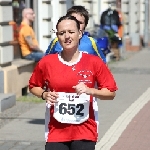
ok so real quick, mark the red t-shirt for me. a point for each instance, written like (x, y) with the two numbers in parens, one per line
(61, 76)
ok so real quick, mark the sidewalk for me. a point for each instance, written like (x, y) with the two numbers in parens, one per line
(124, 122)
(131, 130)
(137, 134)
(24, 131)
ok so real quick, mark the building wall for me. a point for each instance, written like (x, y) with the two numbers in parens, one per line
(142, 17)
(48, 12)
(45, 23)
(6, 32)
(133, 21)
(11, 69)
(48, 15)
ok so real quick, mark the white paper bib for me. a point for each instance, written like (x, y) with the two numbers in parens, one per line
(72, 108)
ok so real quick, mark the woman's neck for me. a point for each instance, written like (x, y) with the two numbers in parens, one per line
(70, 56)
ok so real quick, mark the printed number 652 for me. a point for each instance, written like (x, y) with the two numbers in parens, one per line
(71, 109)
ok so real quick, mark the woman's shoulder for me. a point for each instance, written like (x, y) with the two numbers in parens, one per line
(92, 57)
(85, 54)
(49, 58)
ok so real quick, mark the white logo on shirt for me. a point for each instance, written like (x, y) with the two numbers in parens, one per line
(73, 68)
(85, 76)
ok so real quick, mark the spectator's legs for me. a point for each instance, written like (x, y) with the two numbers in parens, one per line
(29, 57)
(115, 50)
(36, 56)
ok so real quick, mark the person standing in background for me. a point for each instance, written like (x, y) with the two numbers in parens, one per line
(110, 22)
(122, 18)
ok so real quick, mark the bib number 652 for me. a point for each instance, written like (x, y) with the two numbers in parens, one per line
(71, 109)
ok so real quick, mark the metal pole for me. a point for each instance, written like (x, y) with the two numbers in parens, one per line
(146, 27)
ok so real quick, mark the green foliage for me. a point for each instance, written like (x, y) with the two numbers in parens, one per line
(32, 99)
(110, 33)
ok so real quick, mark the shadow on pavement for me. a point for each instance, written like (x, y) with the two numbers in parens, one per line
(37, 121)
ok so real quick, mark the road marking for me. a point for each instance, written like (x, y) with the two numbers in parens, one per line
(115, 131)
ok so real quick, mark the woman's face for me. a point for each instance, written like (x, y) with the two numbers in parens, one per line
(68, 34)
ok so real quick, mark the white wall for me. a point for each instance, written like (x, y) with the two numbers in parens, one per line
(6, 35)
(44, 27)
(142, 16)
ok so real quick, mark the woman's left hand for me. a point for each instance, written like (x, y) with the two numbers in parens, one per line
(82, 88)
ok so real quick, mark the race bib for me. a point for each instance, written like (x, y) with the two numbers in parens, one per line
(72, 108)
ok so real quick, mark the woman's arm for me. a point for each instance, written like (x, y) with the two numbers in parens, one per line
(103, 94)
(50, 97)
(37, 91)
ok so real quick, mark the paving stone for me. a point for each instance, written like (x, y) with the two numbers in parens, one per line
(7, 145)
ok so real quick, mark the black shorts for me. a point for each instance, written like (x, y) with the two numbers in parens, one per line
(73, 145)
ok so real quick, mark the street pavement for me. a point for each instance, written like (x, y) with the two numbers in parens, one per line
(124, 121)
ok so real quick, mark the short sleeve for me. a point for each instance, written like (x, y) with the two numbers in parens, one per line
(97, 49)
(36, 79)
(104, 77)
(54, 47)
(49, 47)
(26, 31)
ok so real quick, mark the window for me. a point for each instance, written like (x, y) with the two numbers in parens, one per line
(18, 6)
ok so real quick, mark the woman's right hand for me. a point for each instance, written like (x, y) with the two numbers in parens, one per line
(51, 97)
